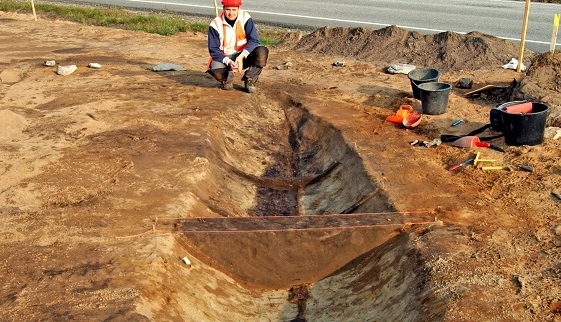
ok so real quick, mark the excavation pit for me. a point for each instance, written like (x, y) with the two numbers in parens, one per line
(320, 232)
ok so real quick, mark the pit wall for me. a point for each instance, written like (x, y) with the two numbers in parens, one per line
(347, 188)
(385, 284)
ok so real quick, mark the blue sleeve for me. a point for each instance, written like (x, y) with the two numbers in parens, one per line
(252, 36)
(214, 45)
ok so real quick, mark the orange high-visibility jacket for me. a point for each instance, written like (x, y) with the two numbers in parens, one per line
(232, 39)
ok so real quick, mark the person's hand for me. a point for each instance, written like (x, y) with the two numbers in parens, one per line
(239, 62)
(233, 66)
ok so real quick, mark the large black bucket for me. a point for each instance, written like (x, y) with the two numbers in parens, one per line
(524, 128)
(422, 75)
(434, 97)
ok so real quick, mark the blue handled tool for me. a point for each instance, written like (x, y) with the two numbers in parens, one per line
(458, 122)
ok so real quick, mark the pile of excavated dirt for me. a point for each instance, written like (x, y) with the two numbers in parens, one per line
(447, 51)
(391, 45)
(543, 83)
(133, 195)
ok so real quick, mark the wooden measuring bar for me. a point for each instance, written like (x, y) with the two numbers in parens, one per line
(280, 223)
(554, 34)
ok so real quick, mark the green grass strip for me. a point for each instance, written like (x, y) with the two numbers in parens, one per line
(162, 24)
(107, 17)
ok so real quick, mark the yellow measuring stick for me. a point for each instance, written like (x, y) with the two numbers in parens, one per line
(496, 168)
(477, 159)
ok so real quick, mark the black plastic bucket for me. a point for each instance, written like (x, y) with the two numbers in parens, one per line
(434, 97)
(524, 128)
(422, 75)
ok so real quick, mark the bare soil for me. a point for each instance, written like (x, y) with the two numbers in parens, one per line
(133, 195)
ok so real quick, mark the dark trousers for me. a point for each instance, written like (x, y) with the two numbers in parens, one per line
(253, 66)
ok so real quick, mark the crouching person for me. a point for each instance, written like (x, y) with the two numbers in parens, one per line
(235, 47)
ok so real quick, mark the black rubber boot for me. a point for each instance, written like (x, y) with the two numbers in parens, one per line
(250, 86)
(227, 86)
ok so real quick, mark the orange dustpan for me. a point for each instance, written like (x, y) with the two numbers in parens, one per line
(470, 142)
(473, 141)
(403, 112)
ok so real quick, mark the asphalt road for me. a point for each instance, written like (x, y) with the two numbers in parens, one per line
(500, 18)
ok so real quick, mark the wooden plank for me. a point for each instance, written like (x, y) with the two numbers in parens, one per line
(484, 89)
(283, 223)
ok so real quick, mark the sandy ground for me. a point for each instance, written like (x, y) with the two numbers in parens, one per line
(90, 160)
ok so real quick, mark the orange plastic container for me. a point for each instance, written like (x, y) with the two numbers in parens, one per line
(403, 112)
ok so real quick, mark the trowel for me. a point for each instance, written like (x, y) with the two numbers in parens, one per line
(473, 141)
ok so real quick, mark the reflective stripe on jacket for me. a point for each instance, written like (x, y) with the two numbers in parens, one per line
(232, 39)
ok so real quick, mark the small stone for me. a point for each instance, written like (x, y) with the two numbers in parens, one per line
(401, 68)
(167, 67)
(465, 83)
(558, 230)
(66, 70)
(49, 63)
(94, 65)
(280, 67)
(461, 289)
(555, 306)
(553, 133)
(9, 77)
